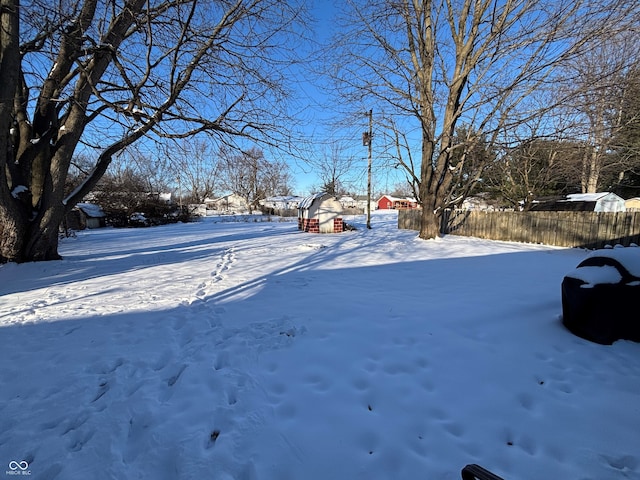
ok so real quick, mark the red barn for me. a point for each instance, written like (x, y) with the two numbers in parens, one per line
(388, 202)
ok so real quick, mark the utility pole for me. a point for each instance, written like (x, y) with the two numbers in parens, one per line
(367, 138)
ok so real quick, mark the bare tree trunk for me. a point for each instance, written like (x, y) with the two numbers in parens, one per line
(12, 230)
(429, 195)
(593, 171)
(42, 241)
(136, 82)
(12, 223)
(429, 223)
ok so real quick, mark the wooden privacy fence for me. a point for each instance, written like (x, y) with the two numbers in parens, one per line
(564, 229)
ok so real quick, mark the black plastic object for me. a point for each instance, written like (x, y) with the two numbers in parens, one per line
(476, 472)
(602, 312)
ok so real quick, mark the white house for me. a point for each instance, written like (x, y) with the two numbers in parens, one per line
(227, 204)
(478, 202)
(348, 202)
(282, 202)
(359, 202)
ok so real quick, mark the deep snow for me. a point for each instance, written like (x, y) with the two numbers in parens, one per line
(253, 351)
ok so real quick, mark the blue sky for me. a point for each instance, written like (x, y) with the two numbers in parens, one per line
(321, 111)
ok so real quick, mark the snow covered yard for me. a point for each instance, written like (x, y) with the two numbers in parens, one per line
(252, 351)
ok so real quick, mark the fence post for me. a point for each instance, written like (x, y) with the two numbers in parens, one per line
(444, 221)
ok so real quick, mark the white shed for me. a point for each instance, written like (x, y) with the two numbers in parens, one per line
(91, 215)
(320, 213)
(603, 201)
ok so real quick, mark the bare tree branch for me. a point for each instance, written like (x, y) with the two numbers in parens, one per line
(436, 65)
(108, 74)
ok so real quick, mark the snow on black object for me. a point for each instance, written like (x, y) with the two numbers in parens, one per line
(598, 297)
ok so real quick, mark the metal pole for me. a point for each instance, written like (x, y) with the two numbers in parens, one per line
(369, 170)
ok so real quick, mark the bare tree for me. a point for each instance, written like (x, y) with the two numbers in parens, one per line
(402, 190)
(277, 179)
(627, 141)
(196, 167)
(335, 169)
(251, 176)
(533, 169)
(441, 63)
(153, 167)
(599, 93)
(399, 154)
(103, 75)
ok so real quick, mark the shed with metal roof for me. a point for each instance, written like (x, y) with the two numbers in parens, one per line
(320, 213)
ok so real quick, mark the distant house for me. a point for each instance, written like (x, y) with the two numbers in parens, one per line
(320, 213)
(355, 205)
(361, 202)
(85, 215)
(478, 202)
(348, 202)
(632, 204)
(281, 202)
(164, 197)
(197, 209)
(583, 202)
(388, 202)
(227, 204)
